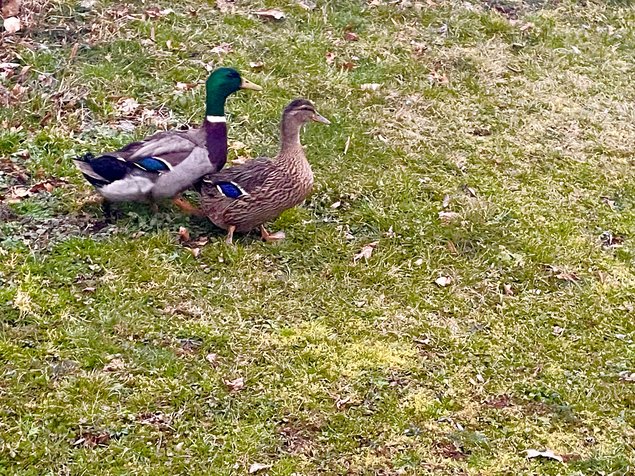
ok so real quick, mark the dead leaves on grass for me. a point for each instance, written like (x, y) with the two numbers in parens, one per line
(531, 453)
(366, 252)
(235, 385)
(10, 11)
(270, 14)
(194, 246)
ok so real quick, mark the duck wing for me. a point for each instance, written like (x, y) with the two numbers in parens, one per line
(239, 181)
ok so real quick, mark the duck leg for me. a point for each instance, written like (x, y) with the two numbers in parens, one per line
(271, 237)
(186, 207)
(106, 209)
(230, 235)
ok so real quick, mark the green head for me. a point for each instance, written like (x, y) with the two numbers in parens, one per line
(221, 83)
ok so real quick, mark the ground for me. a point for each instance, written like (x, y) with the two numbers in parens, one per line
(484, 149)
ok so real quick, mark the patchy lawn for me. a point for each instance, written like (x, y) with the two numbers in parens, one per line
(486, 146)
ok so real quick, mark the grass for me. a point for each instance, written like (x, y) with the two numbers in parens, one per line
(120, 350)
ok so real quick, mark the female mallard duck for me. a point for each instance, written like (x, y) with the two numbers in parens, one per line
(245, 196)
(165, 164)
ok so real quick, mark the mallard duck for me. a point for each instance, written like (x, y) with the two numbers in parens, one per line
(165, 164)
(245, 196)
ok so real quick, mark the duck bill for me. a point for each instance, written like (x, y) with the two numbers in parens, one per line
(246, 84)
(318, 118)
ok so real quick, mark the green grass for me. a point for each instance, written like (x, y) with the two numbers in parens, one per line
(517, 118)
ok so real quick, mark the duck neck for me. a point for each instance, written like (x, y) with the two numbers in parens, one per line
(290, 145)
(214, 104)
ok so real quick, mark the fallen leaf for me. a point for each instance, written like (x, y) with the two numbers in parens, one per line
(443, 281)
(114, 365)
(185, 86)
(627, 376)
(469, 190)
(235, 385)
(564, 275)
(330, 57)
(350, 36)
(557, 331)
(348, 65)
(336, 205)
(10, 8)
(212, 359)
(527, 26)
(341, 402)
(611, 240)
(255, 467)
(256, 65)
(531, 453)
(307, 4)
(92, 438)
(225, 6)
(448, 217)
(436, 77)
(222, 49)
(46, 185)
(507, 289)
(370, 86)
(366, 252)
(195, 252)
(270, 14)
(127, 105)
(200, 241)
(184, 234)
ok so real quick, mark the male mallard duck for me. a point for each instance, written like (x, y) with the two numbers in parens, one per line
(165, 164)
(245, 196)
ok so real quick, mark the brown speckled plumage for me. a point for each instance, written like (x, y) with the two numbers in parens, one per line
(267, 186)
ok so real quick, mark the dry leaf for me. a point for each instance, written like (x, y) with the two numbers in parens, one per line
(255, 467)
(348, 65)
(627, 376)
(443, 281)
(195, 252)
(256, 65)
(531, 453)
(557, 331)
(185, 86)
(184, 234)
(448, 217)
(235, 385)
(330, 57)
(212, 359)
(435, 77)
(91, 439)
(307, 4)
(114, 365)
(507, 289)
(370, 87)
(222, 49)
(350, 36)
(366, 252)
(12, 25)
(127, 105)
(270, 14)
(225, 6)
(10, 8)
(527, 26)
(336, 205)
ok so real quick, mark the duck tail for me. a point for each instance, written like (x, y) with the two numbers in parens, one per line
(84, 166)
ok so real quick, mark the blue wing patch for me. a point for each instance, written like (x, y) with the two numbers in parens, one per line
(230, 189)
(152, 164)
